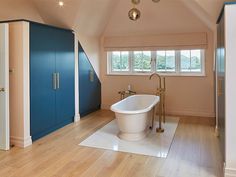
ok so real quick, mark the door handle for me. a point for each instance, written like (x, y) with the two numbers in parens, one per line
(91, 75)
(54, 81)
(58, 80)
(2, 89)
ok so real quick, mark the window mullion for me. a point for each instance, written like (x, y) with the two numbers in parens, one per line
(131, 61)
(178, 61)
(153, 61)
(165, 61)
(142, 61)
(203, 62)
(190, 61)
(109, 62)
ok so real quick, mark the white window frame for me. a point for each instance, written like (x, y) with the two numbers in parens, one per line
(153, 65)
(132, 63)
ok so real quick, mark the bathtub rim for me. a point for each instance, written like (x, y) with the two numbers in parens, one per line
(139, 111)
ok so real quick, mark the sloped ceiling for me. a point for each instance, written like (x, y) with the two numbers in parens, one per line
(91, 16)
(165, 17)
(86, 16)
(18, 9)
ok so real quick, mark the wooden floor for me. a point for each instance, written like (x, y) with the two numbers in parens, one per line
(194, 153)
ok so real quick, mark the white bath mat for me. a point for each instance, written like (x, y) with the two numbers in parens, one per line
(155, 144)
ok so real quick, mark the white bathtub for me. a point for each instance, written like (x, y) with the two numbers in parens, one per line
(133, 116)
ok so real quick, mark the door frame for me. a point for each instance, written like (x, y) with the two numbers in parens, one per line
(4, 121)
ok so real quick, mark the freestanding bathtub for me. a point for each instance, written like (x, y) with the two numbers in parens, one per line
(133, 116)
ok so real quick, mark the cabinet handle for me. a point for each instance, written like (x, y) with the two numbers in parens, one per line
(58, 80)
(54, 81)
(220, 89)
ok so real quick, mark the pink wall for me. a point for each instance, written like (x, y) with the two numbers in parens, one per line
(185, 95)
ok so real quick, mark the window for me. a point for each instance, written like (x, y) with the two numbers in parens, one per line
(190, 61)
(120, 61)
(165, 61)
(168, 62)
(142, 61)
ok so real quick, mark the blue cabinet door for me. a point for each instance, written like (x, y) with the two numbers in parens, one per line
(89, 86)
(65, 63)
(42, 95)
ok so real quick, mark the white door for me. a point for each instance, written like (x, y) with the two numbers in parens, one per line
(4, 87)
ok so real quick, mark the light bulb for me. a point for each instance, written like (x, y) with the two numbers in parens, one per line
(61, 3)
(134, 14)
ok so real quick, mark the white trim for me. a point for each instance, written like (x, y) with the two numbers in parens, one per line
(26, 83)
(77, 118)
(4, 122)
(197, 113)
(230, 172)
(77, 115)
(21, 142)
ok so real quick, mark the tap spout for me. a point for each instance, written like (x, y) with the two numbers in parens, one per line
(159, 78)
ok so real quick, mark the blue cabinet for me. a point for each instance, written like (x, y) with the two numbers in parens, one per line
(51, 79)
(89, 86)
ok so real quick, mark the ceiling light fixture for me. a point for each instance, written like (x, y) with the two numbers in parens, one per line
(61, 3)
(134, 14)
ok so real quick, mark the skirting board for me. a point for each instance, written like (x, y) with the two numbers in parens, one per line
(229, 172)
(21, 142)
(178, 112)
(77, 118)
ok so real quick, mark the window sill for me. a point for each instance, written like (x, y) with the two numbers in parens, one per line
(161, 74)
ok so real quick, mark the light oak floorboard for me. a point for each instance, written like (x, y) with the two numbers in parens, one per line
(194, 153)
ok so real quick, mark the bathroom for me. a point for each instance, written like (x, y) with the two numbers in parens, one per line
(104, 54)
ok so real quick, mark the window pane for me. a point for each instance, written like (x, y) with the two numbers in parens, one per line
(125, 61)
(116, 65)
(170, 61)
(165, 61)
(138, 61)
(161, 61)
(142, 61)
(196, 61)
(147, 61)
(120, 61)
(185, 61)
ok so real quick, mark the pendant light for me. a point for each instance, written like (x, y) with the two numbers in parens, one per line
(134, 14)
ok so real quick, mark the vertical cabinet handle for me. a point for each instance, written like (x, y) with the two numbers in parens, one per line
(58, 80)
(54, 81)
(220, 86)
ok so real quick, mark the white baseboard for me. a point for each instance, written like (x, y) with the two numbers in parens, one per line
(217, 131)
(230, 172)
(190, 113)
(178, 112)
(77, 118)
(21, 142)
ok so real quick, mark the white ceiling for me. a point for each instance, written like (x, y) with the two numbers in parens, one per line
(92, 16)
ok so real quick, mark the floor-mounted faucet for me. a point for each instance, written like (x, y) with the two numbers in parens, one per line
(160, 91)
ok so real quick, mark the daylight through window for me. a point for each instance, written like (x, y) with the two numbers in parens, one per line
(168, 62)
